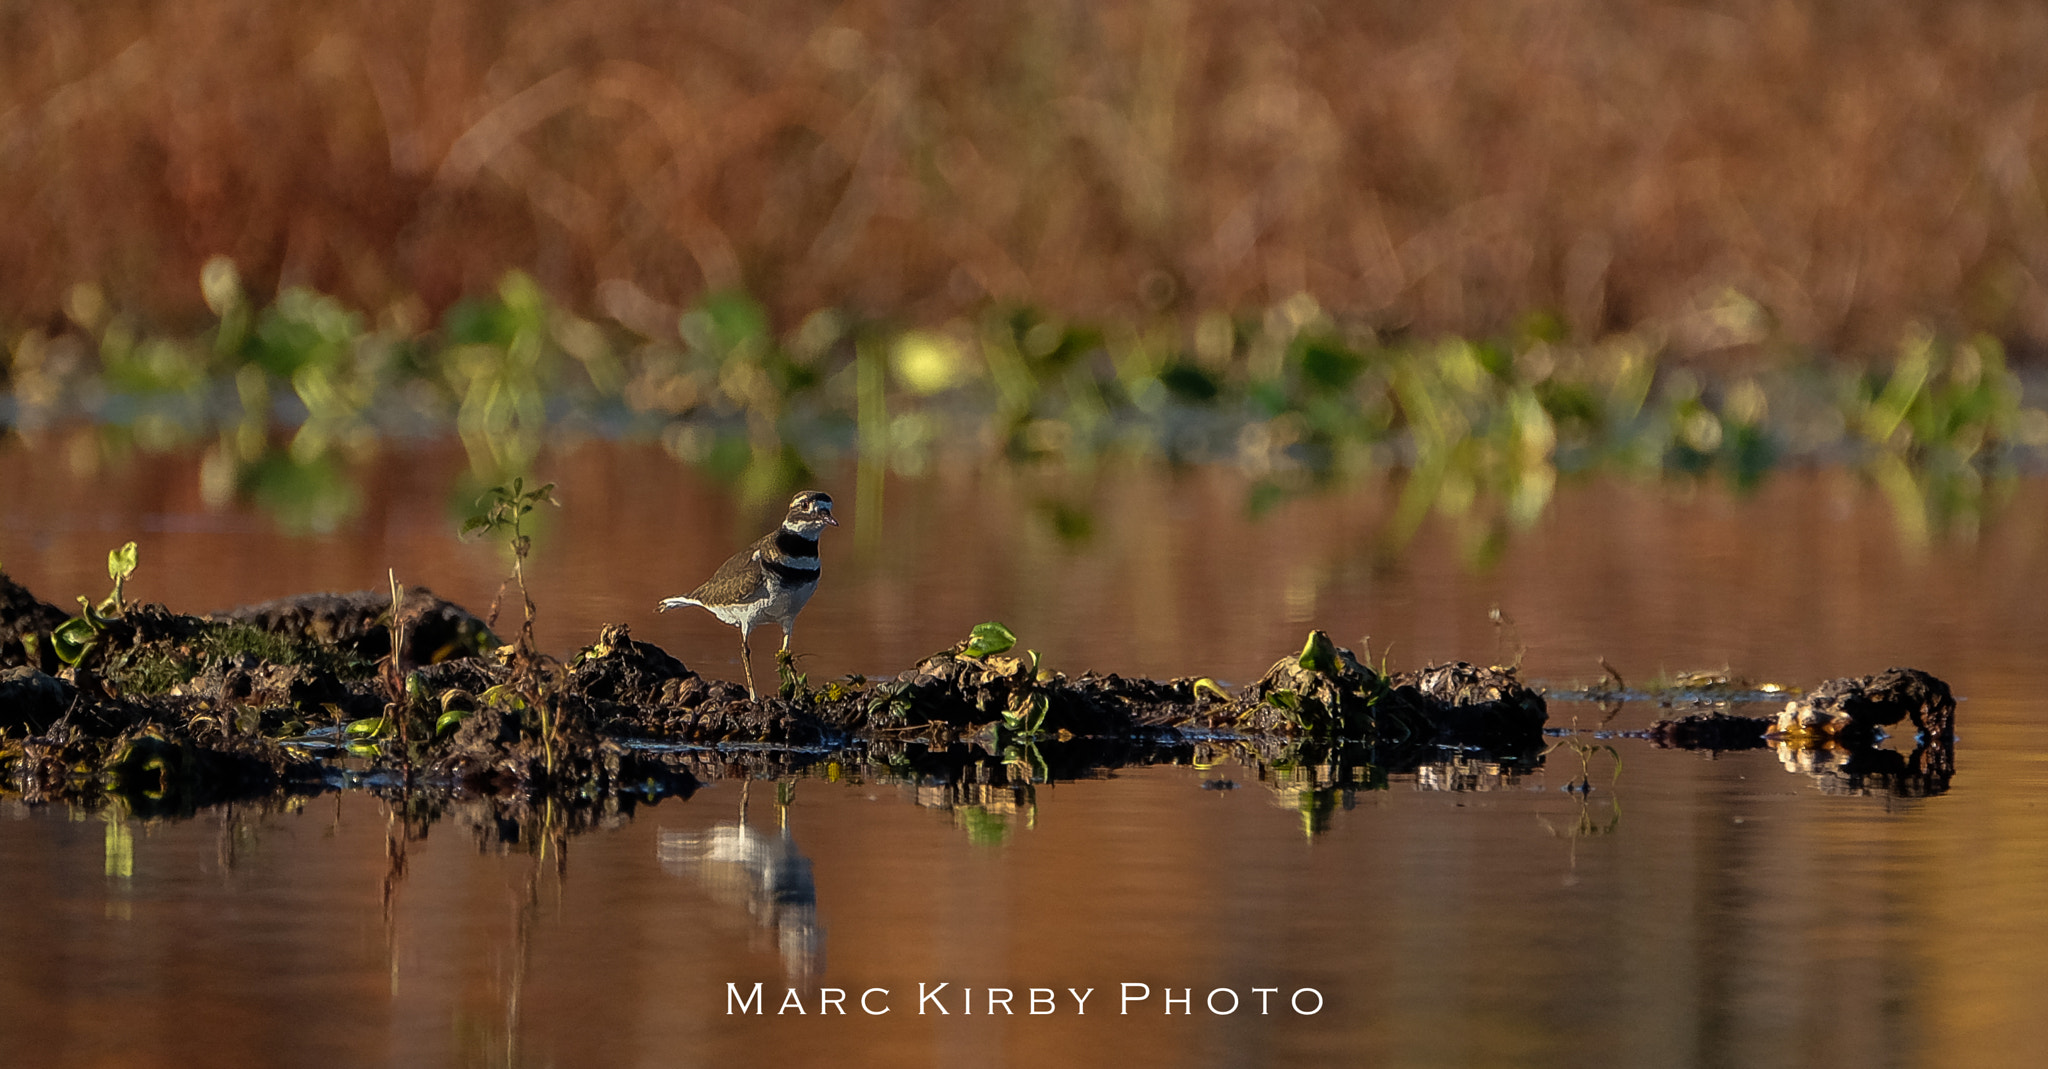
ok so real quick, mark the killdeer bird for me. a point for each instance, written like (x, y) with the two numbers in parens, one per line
(768, 581)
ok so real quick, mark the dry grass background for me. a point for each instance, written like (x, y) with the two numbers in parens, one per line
(1849, 167)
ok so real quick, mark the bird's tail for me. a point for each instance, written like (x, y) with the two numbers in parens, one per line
(675, 603)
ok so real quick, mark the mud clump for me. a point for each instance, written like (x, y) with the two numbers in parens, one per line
(190, 772)
(530, 725)
(619, 670)
(359, 623)
(1322, 691)
(31, 700)
(1715, 730)
(498, 751)
(1834, 734)
(25, 625)
(1469, 703)
(955, 693)
(1856, 708)
(637, 689)
(164, 766)
(245, 679)
(1326, 692)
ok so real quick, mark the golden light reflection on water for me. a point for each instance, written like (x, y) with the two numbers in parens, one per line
(1730, 915)
(1688, 910)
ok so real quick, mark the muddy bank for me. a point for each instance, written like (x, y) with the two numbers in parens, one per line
(302, 693)
(280, 695)
(1836, 733)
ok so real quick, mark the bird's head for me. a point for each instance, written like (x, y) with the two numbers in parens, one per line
(810, 512)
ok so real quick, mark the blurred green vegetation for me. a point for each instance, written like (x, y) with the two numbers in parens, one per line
(282, 395)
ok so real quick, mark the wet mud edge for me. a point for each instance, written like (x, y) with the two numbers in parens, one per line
(299, 693)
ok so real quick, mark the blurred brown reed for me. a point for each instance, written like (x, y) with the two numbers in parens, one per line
(1819, 173)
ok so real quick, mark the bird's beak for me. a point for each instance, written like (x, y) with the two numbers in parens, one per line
(830, 521)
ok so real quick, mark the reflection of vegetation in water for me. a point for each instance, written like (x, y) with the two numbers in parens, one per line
(310, 495)
(1588, 819)
(1587, 753)
(120, 845)
(1294, 396)
(1936, 426)
(1316, 779)
(984, 827)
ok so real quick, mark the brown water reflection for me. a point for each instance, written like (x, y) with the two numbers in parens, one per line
(1703, 912)
(1801, 580)
(1688, 911)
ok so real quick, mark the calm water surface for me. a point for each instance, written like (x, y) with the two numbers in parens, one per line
(1689, 910)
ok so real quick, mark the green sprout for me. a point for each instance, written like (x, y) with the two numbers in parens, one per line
(1028, 717)
(503, 516)
(120, 565)
(73, 639)
(794, 685)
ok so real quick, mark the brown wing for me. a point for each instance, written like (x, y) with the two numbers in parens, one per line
(738, 580)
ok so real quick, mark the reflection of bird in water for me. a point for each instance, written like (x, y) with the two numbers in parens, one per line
(765, 874)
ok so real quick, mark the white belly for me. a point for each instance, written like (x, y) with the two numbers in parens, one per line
(780, 607)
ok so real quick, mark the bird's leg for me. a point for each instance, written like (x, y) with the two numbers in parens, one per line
(747, 662)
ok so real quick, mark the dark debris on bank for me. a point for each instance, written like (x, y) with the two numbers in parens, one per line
(186, 710)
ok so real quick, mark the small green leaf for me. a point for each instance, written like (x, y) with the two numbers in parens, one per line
(1319, 654)
(502, 694)
(121, 562)
(367, 728)
(73, 639)
(449, 721)
(988, 638)
(120, 565)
